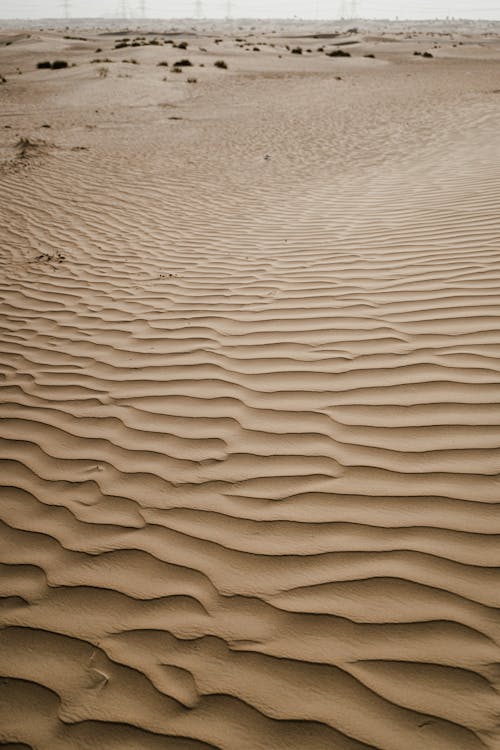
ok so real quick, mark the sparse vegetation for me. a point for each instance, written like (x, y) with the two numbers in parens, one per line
(26, 147)
(121, 45)
(427, 54)
(103, 72)
(48, 258)
(338, 53)
(369, 55)
(184, 63)
(176, 70)
(163, 64)
(296, 51)
(182, 45)
(56, 65)
(192, 80)
(3, 80)
(221, 64)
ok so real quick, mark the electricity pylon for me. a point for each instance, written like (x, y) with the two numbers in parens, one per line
(348, 9)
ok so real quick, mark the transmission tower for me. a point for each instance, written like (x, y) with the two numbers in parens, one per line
(228, 9)
(348, 9)
(122, 11)
(66, 5)
(198, 9)
(142, 8)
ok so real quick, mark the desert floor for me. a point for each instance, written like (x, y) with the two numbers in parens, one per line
(250, 378)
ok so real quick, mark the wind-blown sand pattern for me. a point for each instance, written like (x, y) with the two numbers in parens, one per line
(250, 384)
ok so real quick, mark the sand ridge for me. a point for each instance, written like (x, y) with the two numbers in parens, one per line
(249, 436)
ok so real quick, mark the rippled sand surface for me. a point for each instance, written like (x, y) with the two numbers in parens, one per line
(250, 393)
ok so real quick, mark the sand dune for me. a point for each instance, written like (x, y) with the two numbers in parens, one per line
(250, 441)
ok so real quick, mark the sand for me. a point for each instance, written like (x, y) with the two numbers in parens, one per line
(250, 390)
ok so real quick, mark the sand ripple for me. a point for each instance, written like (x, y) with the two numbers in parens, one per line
(250, 455)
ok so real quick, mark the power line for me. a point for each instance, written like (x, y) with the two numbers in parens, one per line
(66, 5)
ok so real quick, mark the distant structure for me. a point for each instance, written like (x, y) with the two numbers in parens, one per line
(66, 6)
(228, 9)
(348, 9)
(142, 8)
(122, 10)
(198, 9)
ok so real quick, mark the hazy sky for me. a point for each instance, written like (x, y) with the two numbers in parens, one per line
(249, 8)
